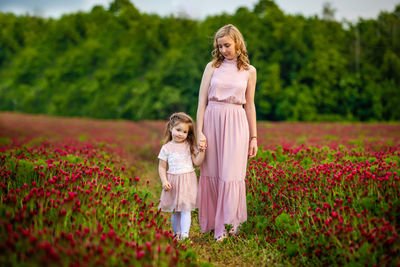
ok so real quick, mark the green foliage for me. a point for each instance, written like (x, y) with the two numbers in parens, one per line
(292, 249)
(121, 63)
(282, 220)
(23, 172)
(5, 140)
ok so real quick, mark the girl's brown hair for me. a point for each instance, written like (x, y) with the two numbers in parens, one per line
(243, 61)
(174, 120)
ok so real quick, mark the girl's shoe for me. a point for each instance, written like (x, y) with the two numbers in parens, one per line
(184, 236)
(178, 236)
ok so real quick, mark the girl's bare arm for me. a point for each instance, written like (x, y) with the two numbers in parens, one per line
(199, 158)
(162, 171)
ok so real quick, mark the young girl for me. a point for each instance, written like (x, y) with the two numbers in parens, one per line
(179, 182)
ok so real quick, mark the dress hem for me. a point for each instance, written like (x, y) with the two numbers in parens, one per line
(228, 206)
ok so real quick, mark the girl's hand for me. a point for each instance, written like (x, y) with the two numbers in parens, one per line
(167, 186)
(201, 141)
(253, 148)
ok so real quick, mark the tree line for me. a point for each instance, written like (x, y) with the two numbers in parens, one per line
(117, 62)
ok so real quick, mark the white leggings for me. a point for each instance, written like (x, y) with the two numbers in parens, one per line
(181, 223)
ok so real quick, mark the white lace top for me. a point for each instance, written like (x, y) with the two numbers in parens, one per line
(178, 157)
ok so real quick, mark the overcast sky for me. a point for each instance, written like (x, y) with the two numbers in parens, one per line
(350, 10)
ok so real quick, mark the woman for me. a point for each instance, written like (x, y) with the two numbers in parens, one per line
(228, 131)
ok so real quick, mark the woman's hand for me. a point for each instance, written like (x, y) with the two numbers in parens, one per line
(253, 148)
(167, 186)
(201, 141)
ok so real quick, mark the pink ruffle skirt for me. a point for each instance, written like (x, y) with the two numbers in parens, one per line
(222, 190)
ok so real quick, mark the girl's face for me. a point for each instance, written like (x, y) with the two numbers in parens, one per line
(179, 132)
(227, 47)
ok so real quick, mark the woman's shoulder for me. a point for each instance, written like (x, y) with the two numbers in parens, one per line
(209, 69)
(209, 66)
(252, 72)
(252, 69)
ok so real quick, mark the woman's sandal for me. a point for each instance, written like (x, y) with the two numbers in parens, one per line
(233, 231)
(221, 238)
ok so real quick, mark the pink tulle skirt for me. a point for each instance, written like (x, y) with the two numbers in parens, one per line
(183, 196)
(222, 190)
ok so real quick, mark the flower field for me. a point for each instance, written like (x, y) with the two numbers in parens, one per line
(71, 202)
(326, 206)
(72, 194)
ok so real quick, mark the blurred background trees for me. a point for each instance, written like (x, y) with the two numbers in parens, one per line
(117, 62)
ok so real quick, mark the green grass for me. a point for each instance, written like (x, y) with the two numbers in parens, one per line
(5, 141)
(233, 251)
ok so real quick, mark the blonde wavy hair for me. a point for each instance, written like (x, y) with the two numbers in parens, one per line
(230, 30)
(175, 119)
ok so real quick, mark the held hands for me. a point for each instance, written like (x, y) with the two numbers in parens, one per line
(202, 142)
(201, 149)
(167, 186)
(253, 148)
(199, 155)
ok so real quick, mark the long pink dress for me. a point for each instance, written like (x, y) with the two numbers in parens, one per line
(222, 191)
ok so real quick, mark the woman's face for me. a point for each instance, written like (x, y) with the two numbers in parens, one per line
(227, 47)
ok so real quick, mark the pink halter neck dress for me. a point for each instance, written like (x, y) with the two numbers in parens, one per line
(222, 191)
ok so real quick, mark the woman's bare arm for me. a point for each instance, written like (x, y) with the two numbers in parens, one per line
(250, 109)
(202, 103)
